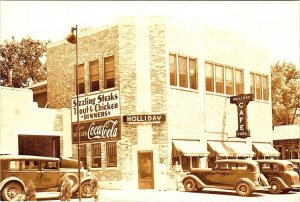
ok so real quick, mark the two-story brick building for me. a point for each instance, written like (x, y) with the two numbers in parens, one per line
(153, 87)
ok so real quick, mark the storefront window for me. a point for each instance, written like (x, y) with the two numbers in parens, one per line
(111, 154)
(109, 72)
(173, 70)
(94, 76)
(96, 155)
(182, 72)
(83, 154)
(193, 73)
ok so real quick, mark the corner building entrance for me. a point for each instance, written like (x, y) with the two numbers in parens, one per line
(145, 170)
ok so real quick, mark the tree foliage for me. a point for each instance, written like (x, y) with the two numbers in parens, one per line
(24, 57)
(285, 93)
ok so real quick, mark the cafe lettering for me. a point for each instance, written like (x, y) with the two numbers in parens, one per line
(241, 102)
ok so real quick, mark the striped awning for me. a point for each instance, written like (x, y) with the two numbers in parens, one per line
(265, 149)
(190, 148)
(230, 149)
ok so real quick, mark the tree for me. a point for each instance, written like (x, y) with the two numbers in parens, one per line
(285, 93)
(22, 60)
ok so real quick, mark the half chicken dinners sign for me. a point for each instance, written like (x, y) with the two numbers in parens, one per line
(97, 106)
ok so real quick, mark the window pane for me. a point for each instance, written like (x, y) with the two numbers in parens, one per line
(252, 83)
(111, 154)
(239, 82)
(173, 70)
(209, 77)
(229, 81)
(109, 72)
(94, 76)
(258, 86)
(96, 155)
(182, 72)
(219, 79)
(83, 154)
(193, 73)
(266, 88)
(80, 80)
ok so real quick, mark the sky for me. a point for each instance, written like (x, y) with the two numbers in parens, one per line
(271, 24)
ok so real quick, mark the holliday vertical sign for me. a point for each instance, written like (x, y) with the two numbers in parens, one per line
(241, 102)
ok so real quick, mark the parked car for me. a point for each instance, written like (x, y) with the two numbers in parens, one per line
(296, 165)
(46, 173)
(242, 175)
(280, 174)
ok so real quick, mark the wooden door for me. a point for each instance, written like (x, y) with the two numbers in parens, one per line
(145, 170)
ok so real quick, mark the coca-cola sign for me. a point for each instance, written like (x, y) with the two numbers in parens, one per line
(103, 130)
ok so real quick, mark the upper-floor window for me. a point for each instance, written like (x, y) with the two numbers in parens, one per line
(96, 155)
(109, 72)
(111, 154)
(259, 86)
(94, 75)
(80, 80)
(183, 71)
(223, 79)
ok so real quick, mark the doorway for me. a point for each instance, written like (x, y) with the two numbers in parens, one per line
(145, 170)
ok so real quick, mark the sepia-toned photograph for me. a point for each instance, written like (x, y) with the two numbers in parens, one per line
(159, 101)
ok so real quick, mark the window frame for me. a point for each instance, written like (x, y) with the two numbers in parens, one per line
(83, 153)
(178, 81)
(213, 65)
(94, 77)
(96, 156)
(106, 72)
(81, 80)
(263, 92)
(109, 155)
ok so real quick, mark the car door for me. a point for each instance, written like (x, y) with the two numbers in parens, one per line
(220, 175)
(50, 174)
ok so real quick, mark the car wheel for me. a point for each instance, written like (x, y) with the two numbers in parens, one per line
(86, 189)
(12, 191)
(73, 179)
(243, 189)
(189, 185)
(285, 191)
(275, 187)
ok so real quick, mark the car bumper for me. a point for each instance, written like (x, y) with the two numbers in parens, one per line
(264, 188)
(295, 186)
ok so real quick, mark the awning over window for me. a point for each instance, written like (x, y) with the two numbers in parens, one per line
(265, 149)
(230, 149)
(190, 148)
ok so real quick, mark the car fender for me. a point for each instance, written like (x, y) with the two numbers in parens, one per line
(251, 184)
(199, 182)
(284, 185)
(86, 179)
(3, 183)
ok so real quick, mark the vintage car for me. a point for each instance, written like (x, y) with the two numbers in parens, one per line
(280, 174)
(242, 175)
(296, 164)
(46, 173)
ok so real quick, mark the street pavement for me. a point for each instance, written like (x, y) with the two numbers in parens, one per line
(208, 194)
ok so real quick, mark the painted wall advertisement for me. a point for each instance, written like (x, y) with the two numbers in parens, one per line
(101, 130)
(97, 106)
(99, 117)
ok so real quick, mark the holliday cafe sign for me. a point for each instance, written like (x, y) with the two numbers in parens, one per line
(144, 118)
(241, 102)
(97, 130)
(103, 105)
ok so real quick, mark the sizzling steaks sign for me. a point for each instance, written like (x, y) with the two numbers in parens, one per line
(241, 102)
(97, 130)
(96, 106)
